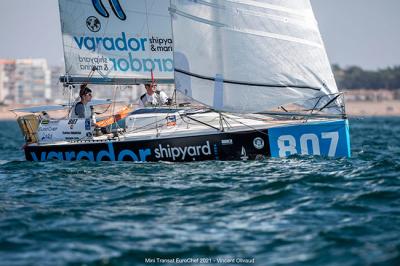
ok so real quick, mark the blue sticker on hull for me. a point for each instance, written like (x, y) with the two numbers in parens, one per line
(330, 139)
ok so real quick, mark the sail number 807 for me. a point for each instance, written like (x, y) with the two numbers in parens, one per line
(288, 145)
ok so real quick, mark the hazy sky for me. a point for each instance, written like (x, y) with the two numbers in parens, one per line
(356, 32)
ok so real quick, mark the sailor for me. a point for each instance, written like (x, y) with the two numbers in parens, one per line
(45, 115)
(82, 109)
(153, 97)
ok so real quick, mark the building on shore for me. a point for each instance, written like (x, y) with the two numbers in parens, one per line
(7, 81)
(33, 82)
(378, 95)
(59, 94)
(24, 81)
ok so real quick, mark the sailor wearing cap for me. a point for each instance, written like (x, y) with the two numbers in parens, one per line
(153, 97)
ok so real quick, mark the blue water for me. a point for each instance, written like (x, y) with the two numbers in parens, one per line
(297, 211)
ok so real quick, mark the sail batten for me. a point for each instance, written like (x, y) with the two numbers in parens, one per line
(249, 31)
(272, 7)
(276, 36)
(246, 83)
(198, 19)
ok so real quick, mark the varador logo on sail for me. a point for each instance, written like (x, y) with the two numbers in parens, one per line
(115, 6)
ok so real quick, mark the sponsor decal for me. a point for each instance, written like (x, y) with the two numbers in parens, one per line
(126, 46)
(227, 142)
(72, 122)
(326, 138)
(243, 154)
(87, 124)
(93, 24)
(46, 137)
(72, 132)
(258, 143)
(171, 120)
(180, 153)
(47, 129)
(109, 43)
(161, 152)
(69, 129)
(102, 155)
(115, 6)
(216, 152)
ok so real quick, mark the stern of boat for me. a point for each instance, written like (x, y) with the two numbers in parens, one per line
(324, 138)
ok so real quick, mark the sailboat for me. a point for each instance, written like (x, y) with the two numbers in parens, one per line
(257, 74)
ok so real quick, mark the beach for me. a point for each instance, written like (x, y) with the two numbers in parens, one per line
(373, 108)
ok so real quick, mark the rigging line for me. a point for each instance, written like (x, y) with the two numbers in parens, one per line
(315, 106)
(333, 99)
(271, 113)
(260, 131)
(343, 106)
(198, 121)
(150, 56)
(113, 104)
(104, 76)
(174, 99)
(245, 83)
(222, 120)
(100, 113)
(326, 95)
(191, 123)
(143, 127)
(284, 109)
(221, 124)
(147, 26)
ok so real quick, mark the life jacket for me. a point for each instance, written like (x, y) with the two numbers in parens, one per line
(79, 103)
(87, 110)
(158, 98)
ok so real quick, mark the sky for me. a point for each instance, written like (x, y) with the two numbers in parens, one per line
(365, 33)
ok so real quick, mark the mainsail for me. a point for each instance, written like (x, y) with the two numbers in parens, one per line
(248, 55)
(123, 40)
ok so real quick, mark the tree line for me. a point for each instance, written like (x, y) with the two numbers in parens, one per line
(356, 78)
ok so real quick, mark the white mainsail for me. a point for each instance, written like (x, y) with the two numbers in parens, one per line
(249, 55)
(122, 39)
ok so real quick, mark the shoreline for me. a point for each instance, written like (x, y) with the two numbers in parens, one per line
(353, 108)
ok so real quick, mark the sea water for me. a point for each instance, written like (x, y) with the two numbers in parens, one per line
(295, 211)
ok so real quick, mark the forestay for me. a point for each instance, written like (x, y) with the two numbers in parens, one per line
(124, 40)
(249, 56)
